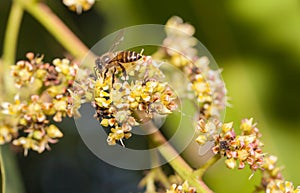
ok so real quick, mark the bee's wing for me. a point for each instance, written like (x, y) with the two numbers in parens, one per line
(118, 39)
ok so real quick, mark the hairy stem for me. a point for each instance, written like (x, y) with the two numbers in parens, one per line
(56, 27)
(177, 162)
(9, 47)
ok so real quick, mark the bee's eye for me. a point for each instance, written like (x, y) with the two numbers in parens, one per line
(98, 63)
(106, 59)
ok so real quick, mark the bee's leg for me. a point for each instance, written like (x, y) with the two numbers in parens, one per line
(97, 66)
(123, 70)
(95, 70)
(113, 77)
(105, 73)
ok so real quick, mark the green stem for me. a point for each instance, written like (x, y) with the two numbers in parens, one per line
(200, 172)
(7, 160)
(9, 48)
(11, 181)
(56, 27)
(177, 162)
(3, 174)
(158, 174)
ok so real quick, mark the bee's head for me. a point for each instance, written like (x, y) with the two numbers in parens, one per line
(102, 61)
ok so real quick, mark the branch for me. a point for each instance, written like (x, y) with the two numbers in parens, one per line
(177, 163)
(200, 172)
(9, 47)
(56, 27)
(11, 180)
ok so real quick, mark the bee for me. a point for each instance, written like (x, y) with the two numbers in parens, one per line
(111, 60)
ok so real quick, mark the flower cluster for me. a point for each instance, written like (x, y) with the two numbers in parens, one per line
(82, 90)
(42, 94)
(179, 49)
(272, 179)
(209, 88)
(242, 149)
(184, 188)
(182, 49)
(270, 170)
(125, 104)
(207, 129)
(281, 186)
(79, 5)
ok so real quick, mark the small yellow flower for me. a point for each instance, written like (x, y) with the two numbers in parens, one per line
(6, 133)
(102, 102)
(134, 105)
(184, 188)
(117, 134)
(60, 104)
(54, 132)
(242, 154)
(26, 143)
(122, 115)
(201, 139)
(37, 134)
(230, 163)
(247, 125)
(62, 65)
(281, 186)
(104, 122)
(146, 97)
(270, 162)
(23, 73)
(227, 127)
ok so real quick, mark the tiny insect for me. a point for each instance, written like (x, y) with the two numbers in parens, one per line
(111, 60)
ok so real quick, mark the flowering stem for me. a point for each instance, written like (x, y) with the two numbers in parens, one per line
(177, 162)
(56, 27)
(200, 172)
(9, 47)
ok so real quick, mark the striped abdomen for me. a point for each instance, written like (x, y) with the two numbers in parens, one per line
(126, 57)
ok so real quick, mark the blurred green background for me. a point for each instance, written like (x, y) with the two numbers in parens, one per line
(256, 43)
